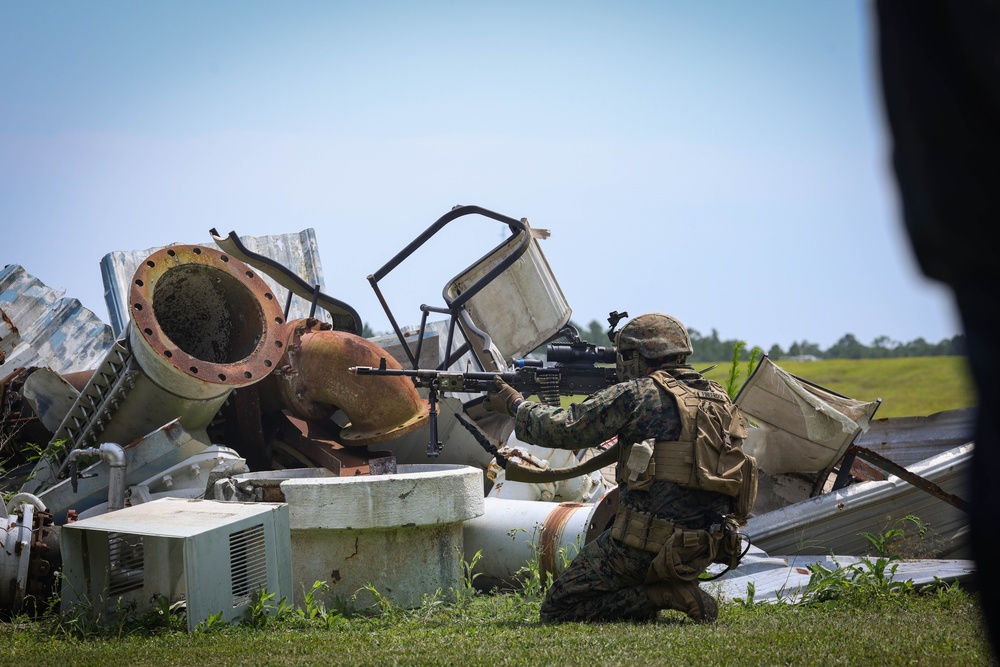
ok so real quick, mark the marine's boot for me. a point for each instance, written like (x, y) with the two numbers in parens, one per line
(685, 596)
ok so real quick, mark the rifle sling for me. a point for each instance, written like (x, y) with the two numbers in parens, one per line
(518, 473)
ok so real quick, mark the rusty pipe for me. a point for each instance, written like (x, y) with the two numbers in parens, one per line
(203, 323)
(313, 382)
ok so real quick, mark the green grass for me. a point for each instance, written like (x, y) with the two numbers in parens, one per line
(504, 630)
(908, 386)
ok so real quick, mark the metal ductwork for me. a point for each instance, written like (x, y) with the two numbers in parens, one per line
(313, 382)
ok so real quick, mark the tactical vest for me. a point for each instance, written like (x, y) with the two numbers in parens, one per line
(708, 455)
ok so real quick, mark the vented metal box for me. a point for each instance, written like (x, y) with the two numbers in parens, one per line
(213, 555)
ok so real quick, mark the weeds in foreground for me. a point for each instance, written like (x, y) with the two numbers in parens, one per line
(534, 578)
(467, 591)
(865, 581)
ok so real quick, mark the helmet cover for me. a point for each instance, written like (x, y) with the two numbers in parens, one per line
(652, 336)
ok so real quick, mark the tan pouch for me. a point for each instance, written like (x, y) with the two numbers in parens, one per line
(640, 466)
(744, 500)
(685, 555)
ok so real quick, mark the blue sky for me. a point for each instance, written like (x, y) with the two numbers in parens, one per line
(724, 162)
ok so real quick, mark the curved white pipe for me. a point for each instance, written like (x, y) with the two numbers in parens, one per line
(513, 533)
(24, 497)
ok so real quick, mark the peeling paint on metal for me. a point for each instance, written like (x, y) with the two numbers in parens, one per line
(549, 541)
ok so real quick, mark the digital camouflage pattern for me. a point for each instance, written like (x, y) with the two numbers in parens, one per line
(633, 410)
(606, 580)
(654, 336)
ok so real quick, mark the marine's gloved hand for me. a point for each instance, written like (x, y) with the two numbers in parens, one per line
(501, 397)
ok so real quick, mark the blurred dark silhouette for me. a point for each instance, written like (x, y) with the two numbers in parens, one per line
(940, 64)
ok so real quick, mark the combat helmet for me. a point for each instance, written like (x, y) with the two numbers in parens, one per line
(649, 337)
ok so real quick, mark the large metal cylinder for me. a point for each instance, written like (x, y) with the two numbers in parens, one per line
(202, 322)
(512, 533)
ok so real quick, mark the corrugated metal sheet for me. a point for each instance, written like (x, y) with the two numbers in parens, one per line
(907, 440)
(297, 251)
(777, 578)
(833, 522)
(55, 331)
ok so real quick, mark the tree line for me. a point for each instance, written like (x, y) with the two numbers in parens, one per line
(713, 348)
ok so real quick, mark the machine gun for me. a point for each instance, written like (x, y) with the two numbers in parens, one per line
(572, 369)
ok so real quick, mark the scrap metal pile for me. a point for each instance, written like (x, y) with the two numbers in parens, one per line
(227, 375)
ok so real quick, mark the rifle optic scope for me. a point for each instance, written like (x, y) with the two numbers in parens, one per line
(579, 353)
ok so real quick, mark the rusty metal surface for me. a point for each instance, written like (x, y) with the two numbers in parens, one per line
(9, 336)
(914, 479)
(551, 537)
(297, 251)
(203, 324)
(209, 316)
(54, 330)
(313, 381)
(19, 424)
(244, 428)
(317, 442)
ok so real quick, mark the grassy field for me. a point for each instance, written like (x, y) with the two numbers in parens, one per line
(908, 387)
(937, 629)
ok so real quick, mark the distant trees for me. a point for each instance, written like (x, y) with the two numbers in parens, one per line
(713, 348)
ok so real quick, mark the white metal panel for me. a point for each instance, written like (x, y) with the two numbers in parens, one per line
(173, 517)
(523, 307)
(777, 578)
(800, 427)
(213, 555)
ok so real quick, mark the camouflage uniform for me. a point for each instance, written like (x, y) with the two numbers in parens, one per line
(608, 580)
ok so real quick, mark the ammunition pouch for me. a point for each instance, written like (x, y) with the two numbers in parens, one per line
(641, 530)
(730, 542)
(681, 553)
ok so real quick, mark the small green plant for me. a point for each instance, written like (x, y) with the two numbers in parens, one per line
(88, 621)
(863, 581)
(386, 609)
(165, 615)
(468, 589)
(749, 600)
(213, 623)
(884, 542)
(263, 609)
(313, 610)
(535, 579)
(733, 384)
